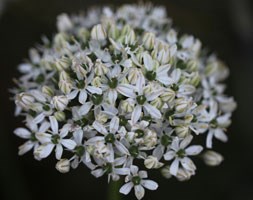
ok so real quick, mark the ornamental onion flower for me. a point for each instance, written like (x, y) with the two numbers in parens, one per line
(119, 87)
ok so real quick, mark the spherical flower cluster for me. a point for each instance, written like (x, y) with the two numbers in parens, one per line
(119, 90)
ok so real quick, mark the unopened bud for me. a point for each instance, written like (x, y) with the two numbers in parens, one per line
(63, 165)
(60, 102)
(98, 32)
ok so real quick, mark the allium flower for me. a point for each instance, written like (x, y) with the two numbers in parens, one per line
(117, 88)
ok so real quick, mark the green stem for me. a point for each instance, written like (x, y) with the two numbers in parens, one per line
(113, 190)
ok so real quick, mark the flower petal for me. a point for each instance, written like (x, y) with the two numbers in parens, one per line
(149, 184)
(139, 191)
(154, 112)
(125, 189)
(54, 124)
(82, 96)
(136, 114)
(22, 132)
(174, 167)
(69, 144)
(193, 150)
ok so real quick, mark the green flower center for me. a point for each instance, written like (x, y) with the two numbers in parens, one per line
(33, 137)
(140, 133)
(166, 140)
(79, 151)
(55, 139)
(168, 114)
(107, 168)
(134, 151)
(110, 138)
(122, 121)
(174, 87)
(141, 99)
(97, 98)
(150, 75)
(113, 83)
(46, 107)
(181, 153)
(80, 84)
(136, 180)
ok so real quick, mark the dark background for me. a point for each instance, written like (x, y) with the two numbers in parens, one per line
(223, 26)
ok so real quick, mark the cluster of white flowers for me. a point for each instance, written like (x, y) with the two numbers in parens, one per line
(117, 89)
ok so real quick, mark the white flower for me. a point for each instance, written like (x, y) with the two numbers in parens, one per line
(179, 153)
(142, 101)
(63, 165)
(31, 135)
(64, 23)
(60, 102)
(56, 139)
(98, 32)
(212, 158)
(137, 180)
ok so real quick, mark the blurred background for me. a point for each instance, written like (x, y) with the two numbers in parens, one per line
(225, 26)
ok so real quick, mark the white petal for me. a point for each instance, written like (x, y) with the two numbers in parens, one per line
(175, 75)
(99, 127)
(174, 167)
(186, 141)
(219, 134)
(58, 151)
(169, 155)
(114, 125)
(39, 118)
(78, 136)
(69, 144)
(126, 90)
(122, 171)
(112, 96)
(143, 174)
(85, 108)
(97, 173)
(148, 62)
(94, 90)
(158, 152)
(149, 184)
(54, 124)
(121, 148)
(209, 140)
(136, 114)
(154, 112)
(82, 96)
(125, 189)
(44, 127)
(72, 94)
(44, 137)
(193, 150)
(27, 146)
(188, 164)
(139, 191)
(134, 169)
(22, 132)
(44, 150)
(153, 95)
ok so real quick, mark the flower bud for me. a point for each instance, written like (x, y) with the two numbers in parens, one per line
(83, 34)
(212, 158)
(100, 68)
(133, 75)
(181, 105)
(157, 103)
(63, 165)
(152, 162)
(24, 100)
(172, 36)
(60, 102)
(65, 84)
(182, 131)
(165, 171)
(127, 106)
(168, 95)
(163, 56)
(184, 175)
(78, 69)
(98, 32)
(47, 91)
(149, 40)
(130, 38)
(113, 31)
(96, 82)
(63, 63)
(64, 23)
(60, 116)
